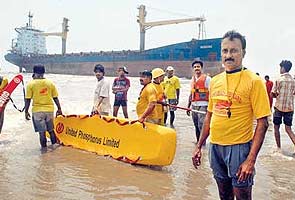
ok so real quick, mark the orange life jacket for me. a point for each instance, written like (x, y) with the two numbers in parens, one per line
(199, 92)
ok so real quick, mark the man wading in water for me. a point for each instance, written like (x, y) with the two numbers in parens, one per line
(42, 91)
(236, 96)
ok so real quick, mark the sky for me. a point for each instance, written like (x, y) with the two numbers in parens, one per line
(95, 25)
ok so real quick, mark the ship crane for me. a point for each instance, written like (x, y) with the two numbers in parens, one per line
(143, 25)
(63, 34)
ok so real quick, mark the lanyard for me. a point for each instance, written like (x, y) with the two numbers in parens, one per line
(230, 97)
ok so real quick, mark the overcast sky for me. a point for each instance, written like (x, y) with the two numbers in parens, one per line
(95, 25)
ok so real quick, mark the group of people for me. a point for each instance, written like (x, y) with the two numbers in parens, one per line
(149, 108)
(222, 108)
(157, 90)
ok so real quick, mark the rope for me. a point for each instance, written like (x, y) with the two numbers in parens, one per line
(24, 92)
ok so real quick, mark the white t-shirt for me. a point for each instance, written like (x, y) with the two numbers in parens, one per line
(102, 90)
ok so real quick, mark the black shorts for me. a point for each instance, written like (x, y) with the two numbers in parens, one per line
(287, 117)
(120, 103)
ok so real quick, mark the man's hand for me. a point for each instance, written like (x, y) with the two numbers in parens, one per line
(246, 170)
(94, 112)
(27, 116)
(163, 103)
(274, 94)
(197, 155)
(58, 112)
(141, 119)
(177, 101)
(188, 113)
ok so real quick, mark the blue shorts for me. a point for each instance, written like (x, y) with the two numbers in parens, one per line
(43, 121)
(226, 160)
(120, 103)
(172, 102)
(287, 117)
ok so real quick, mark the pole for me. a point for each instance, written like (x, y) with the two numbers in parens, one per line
(142, 39)
(183, 108)
(142, 28)
(65, 29)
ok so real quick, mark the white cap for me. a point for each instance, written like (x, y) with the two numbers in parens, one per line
(169, 68)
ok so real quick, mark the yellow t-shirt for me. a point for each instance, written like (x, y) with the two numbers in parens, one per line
(170, 86)
(160, 97)
(248, 101)
(147, 95)
(3, 83)
(42, 91)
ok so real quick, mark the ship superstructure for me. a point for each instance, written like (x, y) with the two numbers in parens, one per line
(30, 50)
(29, 40)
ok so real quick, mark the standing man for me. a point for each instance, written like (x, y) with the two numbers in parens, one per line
(42, 91)
(101, 103)
(147, 100)
(283, 91)
(199, 96)
(158, 78)
(171, 87)
(269, 85)
(3, 84)
(236, 97)
(120, 88)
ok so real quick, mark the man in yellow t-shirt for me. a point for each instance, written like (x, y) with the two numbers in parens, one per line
(171, 87)
(3, 83)
(158, 77)
(236, 96)
(145, 107)
(42, 91)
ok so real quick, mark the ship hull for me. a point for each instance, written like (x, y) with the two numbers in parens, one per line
(182, 68)
(180, 56)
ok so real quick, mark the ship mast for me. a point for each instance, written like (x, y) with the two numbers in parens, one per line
(30, 19)
(143, 25)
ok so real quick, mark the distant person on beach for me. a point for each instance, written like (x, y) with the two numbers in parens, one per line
(120, 88)
(283, 91)
(199, 96)
(42, 91)
(171, 87)
(101, 105)
(158, 75)
(147, 100)
(236, 97)
(3, 83)
(269, 85)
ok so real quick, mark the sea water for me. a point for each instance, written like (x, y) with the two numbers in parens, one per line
(68, 173)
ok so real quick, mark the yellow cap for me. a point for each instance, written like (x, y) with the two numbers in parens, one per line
(157, 72)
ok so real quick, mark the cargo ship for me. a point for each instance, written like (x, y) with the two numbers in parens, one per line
(29, 49)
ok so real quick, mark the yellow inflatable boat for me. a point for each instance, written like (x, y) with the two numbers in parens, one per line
(129, 141)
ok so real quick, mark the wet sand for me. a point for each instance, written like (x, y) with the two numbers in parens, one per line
(68, 173)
